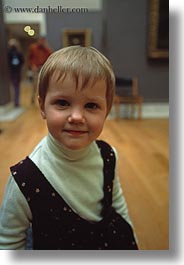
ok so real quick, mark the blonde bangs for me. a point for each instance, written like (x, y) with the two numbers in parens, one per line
(84, 62)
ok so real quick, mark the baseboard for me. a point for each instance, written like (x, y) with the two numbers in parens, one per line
(9, 113)
(155, 110)
(149, 111)
(6, 108)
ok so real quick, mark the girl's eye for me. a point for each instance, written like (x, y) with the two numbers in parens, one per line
(91, 105)
(62, 103)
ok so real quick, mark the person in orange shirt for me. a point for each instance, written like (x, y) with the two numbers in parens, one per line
(37, 55)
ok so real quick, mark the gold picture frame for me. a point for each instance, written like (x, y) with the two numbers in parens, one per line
(158, 34)
(80, 37)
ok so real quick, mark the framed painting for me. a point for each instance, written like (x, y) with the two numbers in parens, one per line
(158, 33)
(76, 37)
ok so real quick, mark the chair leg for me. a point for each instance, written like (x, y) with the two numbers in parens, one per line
(117, 107)
(132, 110)
(140, 110)
(117, 110)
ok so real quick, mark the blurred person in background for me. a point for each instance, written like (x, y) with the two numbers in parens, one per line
(15, 61)
(37, 55)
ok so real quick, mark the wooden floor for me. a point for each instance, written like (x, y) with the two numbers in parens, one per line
(143, 166)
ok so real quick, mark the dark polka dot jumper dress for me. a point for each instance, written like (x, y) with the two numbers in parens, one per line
(56, 226)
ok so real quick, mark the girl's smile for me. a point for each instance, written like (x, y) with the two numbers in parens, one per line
(75, 133)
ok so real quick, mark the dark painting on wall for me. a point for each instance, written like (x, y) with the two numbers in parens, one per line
(158, 33)
(80, 37)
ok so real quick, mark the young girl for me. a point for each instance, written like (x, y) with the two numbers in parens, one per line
(68, 188)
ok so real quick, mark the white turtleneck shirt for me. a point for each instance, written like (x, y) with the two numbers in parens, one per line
(77, 175)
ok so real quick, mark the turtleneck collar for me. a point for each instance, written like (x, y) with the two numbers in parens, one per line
(65, 153)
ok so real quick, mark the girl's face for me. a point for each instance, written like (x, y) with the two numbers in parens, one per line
(74, 117)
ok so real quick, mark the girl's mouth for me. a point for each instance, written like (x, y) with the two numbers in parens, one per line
(75, 132)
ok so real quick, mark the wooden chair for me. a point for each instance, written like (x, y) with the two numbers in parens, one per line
(127, 93)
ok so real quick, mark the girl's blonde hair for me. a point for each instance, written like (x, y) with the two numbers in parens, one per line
(87, 62)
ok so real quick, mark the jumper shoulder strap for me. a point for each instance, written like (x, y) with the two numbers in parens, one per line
(109, 161)
(28, 175)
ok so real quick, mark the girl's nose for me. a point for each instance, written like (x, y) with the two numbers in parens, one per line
(76, 116)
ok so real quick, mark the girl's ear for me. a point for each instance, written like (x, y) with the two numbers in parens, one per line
(42, 108)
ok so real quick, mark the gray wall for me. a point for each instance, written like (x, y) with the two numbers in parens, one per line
(120, 32)
(58, 22)
(127, 25)
(4, 71)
